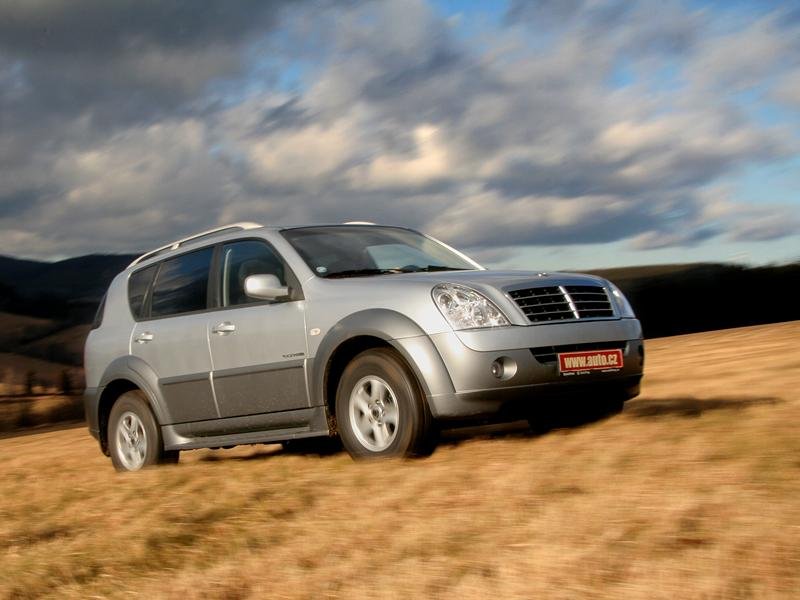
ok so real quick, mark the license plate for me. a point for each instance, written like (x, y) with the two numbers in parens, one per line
(574, 363)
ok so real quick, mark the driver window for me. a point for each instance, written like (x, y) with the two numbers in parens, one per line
(242, 259)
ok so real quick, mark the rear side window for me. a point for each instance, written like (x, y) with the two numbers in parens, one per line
(181, 285)
(138, 285)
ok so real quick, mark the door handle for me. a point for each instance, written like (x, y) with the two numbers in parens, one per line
(224, 328)
(143, 338)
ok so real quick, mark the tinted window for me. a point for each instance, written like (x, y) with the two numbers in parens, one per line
(182, 284)
(98, 316)
(242, 259)
(138, 285)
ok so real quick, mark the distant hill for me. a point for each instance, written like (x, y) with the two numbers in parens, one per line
(63, 346)
(618, 274)
(17, 330)
(676, 299)
(84, 278)
(10, 267)
(45, 307)
(67, 290)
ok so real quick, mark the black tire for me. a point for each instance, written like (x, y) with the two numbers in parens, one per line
(139, 444)
(411, 431)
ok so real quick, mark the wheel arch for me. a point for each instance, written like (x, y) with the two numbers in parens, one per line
(123, 375)
(377, 328)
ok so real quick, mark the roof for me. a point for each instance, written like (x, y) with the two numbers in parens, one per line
(223, 229)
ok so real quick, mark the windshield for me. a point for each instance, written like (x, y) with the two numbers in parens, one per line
(359, 250)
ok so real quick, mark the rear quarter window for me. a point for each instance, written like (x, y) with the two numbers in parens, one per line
(98, 316)
(138, 287)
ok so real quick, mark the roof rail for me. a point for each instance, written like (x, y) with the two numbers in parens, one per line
(210, 232)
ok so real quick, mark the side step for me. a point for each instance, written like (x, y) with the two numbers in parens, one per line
(254, 429)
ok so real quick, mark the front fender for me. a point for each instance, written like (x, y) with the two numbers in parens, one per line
(397, 330)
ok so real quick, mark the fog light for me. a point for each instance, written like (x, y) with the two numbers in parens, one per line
(497, 369)
(504, 368)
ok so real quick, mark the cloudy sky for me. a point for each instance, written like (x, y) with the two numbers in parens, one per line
(558, 133)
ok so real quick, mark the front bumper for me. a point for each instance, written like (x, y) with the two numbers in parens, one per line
(477, 391)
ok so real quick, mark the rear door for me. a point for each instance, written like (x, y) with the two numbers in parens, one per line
(258, 347)
(171, 334)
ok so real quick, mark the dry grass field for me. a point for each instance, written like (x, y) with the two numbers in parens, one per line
(25, 412)
(48, 375)
(692, 492)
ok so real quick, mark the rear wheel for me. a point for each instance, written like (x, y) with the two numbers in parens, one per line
(134, 437)
(380, 410)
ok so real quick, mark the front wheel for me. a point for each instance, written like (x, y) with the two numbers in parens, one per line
(380, 410)
(134, 437)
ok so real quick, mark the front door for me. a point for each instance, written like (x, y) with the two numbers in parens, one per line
(258, 348)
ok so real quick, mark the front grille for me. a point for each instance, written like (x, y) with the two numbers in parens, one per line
(563, 303)
(547, 354)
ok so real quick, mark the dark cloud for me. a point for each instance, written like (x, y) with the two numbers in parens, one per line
(96, 27)
(116, 63)
(142, 121)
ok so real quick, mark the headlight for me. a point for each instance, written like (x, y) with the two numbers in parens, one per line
(623, 306)
(464, 308)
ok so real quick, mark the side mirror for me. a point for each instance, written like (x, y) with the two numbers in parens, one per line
(264, 287)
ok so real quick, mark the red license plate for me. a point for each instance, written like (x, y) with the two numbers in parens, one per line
(592, 360)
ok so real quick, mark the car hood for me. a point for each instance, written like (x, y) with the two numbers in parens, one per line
(409, 293)
(505, 280)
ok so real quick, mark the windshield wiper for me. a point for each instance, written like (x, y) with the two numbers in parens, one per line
(430, 269)
(362, 272)
(406, 269)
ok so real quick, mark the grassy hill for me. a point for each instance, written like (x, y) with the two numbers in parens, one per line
(690, 493)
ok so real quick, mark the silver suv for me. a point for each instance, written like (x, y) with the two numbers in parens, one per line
(249, 334)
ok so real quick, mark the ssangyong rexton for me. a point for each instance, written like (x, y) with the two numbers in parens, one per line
(250, 334)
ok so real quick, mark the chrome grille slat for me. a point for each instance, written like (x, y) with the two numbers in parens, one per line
(527, 302)
(547, 312)
(563, 303)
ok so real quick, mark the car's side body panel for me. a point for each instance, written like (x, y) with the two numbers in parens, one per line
(177, 351)
(258, 367)
(250, 429)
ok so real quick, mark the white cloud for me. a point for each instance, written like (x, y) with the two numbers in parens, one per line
(428, 161)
